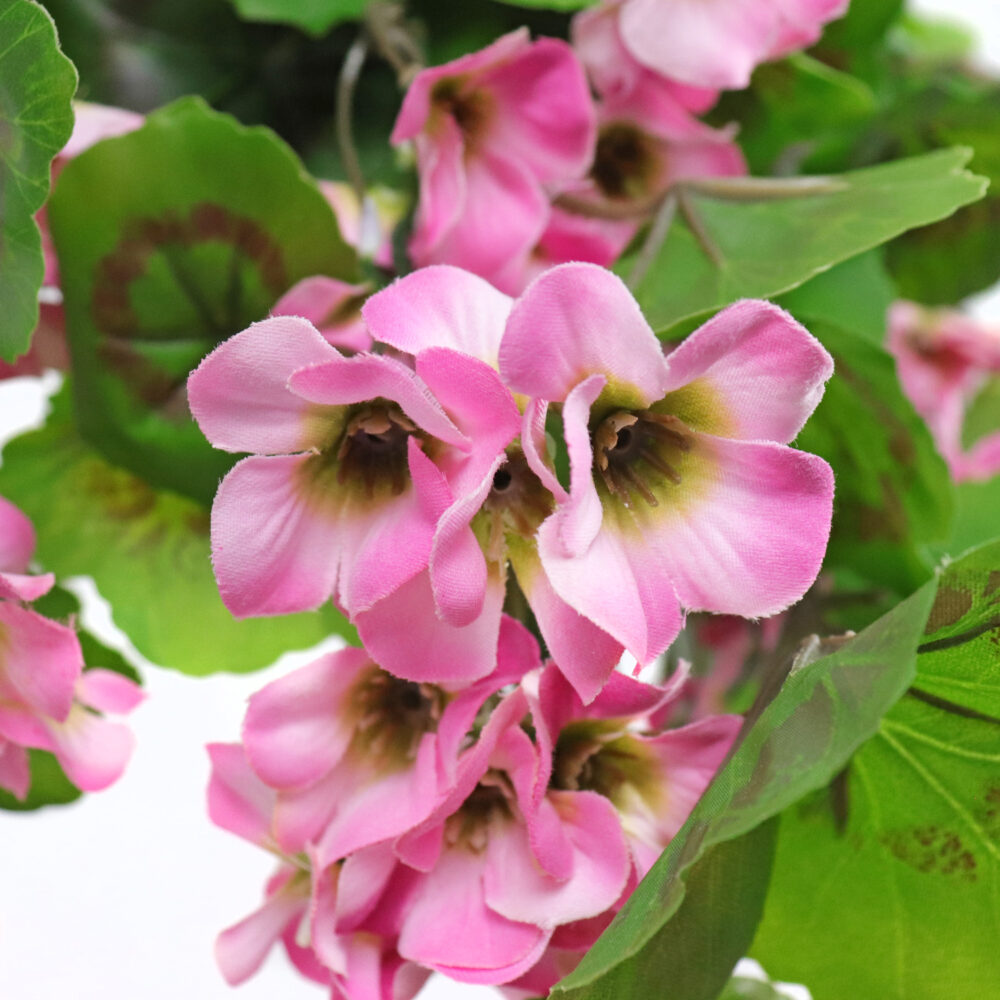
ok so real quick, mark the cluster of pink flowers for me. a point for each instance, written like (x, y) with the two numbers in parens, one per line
(514, 132)
(945, 359)
(47, 700)
(443, 799)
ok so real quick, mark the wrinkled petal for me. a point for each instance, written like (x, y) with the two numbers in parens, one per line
(440, 306)
(238, 801)
(239, 393)
(332, 306)
(592, 326)
(748, 533)
(274, 550)
(751, 372)
(297, 727)
(39, 659)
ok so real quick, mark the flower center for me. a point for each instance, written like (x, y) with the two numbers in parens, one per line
(635, 452)
(518, 502)
(489, 803)
(373, 448)
(626, 161)
(391, 717)
(470, 108)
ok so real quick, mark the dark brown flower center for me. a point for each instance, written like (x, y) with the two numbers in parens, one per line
(600, 756)
(635, 452)
(470, 107)
(626, 161)
(391, 715)
(373, 448)
(518, 502)
(490, 802)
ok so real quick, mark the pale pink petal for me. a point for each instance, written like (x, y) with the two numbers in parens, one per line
(516, 887)
(365, 377)
(450, 926)
(592, 326)
(535, 447)
(297, 727)
(21, 587)
(440, 306)
(748, 537)
(750, 372)
(93, 122)
(301, 814)
(15, 769)
(363, 878)
(239, 394)
(23, 725)
(40, 659)
(803, 21)
(543, 113)
(405, 622)
(981, 463)
(92, 750)
(238, 801)
(495, 188)
(442, 188)
(332, 306)
(274, 549)
(108, 691)
(706, 43)
(240, 950)
(17, 538)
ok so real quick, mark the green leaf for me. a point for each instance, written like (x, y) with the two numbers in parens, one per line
(49, 786)
(316, 17)
(797, 742)
(976, 506)
(893, 491)
(171, 239)
(751, 240)
(148, 552)
(37, 83)
(896, 894)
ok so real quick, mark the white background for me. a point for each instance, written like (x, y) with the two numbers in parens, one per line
(120, 896)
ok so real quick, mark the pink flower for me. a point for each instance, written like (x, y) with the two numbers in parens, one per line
(48, 702)
(332, 306)
(503, 867)
(355, 459)
(718, 43)
(681, 488)
(17, 545)
(368, 228)
(944, 360)
(494, 132)
(322, 914)
(358, 756)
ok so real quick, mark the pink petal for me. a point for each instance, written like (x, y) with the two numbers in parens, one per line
(273, 549)
(94, 122)
(592, 326)
(238, 801)
(495, 188)
(440, 306)
(363, 878)
(15, 769)
(20, 587)
(17, 538)
(535, 448)
(705, 43)
(239, 394)
(92, 750)
(751, 372)
(543, 112)
(108, 691)
(405, 635)
(297, 727)
(40, 659)
(450, 926)
(441, 165)
(240, 950)
(516, 887)
(332, 306)
(747, 536)
(365, 377)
